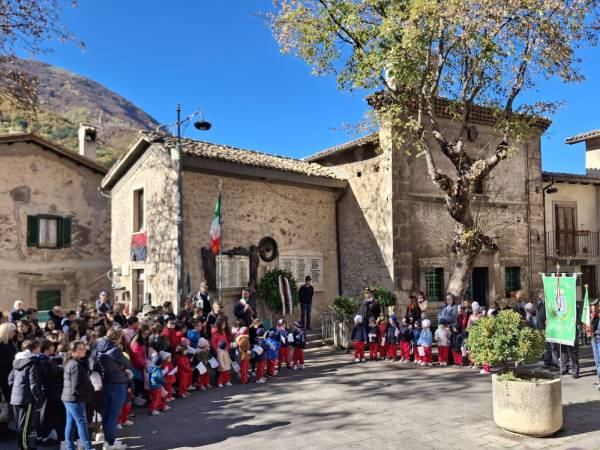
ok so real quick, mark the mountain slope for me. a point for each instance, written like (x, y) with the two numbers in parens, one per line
(67, 99)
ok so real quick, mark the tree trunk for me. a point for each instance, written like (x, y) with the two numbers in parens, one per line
(466, 246)
(462, 268)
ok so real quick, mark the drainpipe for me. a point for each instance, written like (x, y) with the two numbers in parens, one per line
(527, 191)
(180, 265)
(338, 199)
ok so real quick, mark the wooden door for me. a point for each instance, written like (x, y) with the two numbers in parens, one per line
(588, 276)
(565, 230)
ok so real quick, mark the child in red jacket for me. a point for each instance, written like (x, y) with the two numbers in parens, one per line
(184, 370)
(173, 334)
(167, 368)
(382, 325)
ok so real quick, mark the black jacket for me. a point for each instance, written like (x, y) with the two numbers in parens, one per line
(299, 339)
(359, 333)
(305, 294)
(26, 381)
(111, 363)
(77, 387)
(456, 341)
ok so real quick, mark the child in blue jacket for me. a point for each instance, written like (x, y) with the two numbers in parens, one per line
(273, 345)
(299, 345)
(259, 355)
(156, 381)
(425, 341)
(416, 333)
(359, 337)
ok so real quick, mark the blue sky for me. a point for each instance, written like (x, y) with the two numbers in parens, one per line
(220, 56)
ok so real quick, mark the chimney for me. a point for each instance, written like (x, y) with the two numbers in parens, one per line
(87, 141)
(592, 157)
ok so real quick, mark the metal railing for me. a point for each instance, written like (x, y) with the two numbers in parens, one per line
(576, 244)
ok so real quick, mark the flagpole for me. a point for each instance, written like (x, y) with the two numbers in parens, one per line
(221, 246)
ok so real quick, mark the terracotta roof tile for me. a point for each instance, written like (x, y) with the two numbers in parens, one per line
(372, 138)
(583, 137)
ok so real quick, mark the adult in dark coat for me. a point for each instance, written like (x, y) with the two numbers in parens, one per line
(413, 311)
(305, 296)
(369, 308)
(27, 395)
(242, 310)
(8, 350)
(448, 314)
(203, 299)
(17, 313)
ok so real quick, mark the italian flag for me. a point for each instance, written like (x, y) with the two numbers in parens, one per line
(215, 228)
(585, 314)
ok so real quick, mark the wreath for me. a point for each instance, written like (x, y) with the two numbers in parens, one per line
(268, 289)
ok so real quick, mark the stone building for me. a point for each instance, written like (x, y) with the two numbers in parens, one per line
(54, 223)
(394, 221)
(572, 210)
(267, 202)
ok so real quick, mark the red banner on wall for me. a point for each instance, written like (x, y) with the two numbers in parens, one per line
(139, 244)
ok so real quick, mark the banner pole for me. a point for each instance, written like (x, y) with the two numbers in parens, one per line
(221, 246)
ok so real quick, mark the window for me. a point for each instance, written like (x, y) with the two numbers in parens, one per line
(46, 300)
(48, 231)
(138, 210)
(434, 284)
(513, 279)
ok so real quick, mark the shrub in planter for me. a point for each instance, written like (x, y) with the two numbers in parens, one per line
(529, 404)
(344, 305)
(268, 289)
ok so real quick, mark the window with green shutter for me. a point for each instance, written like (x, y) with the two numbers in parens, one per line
(46, 300)
(512, 277)
(434, 284)
(48, 231)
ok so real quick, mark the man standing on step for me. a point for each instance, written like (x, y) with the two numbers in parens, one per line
(305, 294)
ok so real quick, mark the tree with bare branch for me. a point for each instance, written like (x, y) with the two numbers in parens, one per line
(25, 26)
(411, 53)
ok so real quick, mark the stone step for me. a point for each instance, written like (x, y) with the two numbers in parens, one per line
(314, 344)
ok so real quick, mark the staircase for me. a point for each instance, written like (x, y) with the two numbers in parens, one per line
(314, 338)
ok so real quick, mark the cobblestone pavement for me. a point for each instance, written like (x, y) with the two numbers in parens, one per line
(338, 404)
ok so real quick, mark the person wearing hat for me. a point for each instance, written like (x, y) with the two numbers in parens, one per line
(392, 338)
(299, 345)
(305, 295)
(370, 307)
(156, 381)
(359, 337)
(425, 341)
(167, 369)
(259, 351)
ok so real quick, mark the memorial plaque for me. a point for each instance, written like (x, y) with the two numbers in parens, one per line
(236, 271)
(302, 264)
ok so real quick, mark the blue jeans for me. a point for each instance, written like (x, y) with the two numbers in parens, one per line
(305, 312)
(115, 396)
(76, 416)
(596, 350)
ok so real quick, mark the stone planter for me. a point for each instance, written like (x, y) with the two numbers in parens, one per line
(532, 409)
(341, 333)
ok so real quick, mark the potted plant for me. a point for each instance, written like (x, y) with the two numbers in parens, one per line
(268, 291)
(524, 403)
(345, 307)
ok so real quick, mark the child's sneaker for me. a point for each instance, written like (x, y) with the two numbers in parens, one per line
(186, 395)
(295, 367)
(192, 388)
(119, 426)
(356, 359)
(166, 408)
(209, 386)
(220, 385)
(138, 401)
(302, 366)
(128, 423)
(154, 413)
(363, 360)
(228, 384)
(262, 380)
(203, 388)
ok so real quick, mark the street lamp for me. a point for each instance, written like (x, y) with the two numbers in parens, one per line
(177, 157)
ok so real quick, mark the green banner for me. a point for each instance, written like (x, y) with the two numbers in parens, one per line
(560, 308)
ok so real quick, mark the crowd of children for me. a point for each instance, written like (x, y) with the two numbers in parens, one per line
(411, 340)
(163, 356)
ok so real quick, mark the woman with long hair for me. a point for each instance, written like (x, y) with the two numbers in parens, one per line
(8, 350)
(77, 391)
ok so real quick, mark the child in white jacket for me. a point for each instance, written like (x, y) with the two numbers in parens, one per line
(442, 339)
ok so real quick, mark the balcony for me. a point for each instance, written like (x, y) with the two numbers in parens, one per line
(573, 244)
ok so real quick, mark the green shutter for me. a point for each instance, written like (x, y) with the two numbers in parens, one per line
(33, 231)
(46, 300)
(65, 232)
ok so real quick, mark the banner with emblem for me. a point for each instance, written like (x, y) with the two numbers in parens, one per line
(561, 311)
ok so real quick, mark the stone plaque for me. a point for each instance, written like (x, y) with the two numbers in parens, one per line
(236, 270)
(301, 265)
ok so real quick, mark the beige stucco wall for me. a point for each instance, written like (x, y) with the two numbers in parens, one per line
(36, 181)
(300, 219)
(155, 173)
(584, 197)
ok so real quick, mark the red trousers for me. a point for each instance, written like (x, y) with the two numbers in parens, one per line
(203, 380)
(125, 411)
(156, 401)
(284, 355)
(359, 350)
(392, 351)
(298, 356)
(382, 350)
(224, 377)
(169, 388)
(373, 350)
(417, 357)
(427, 357)
(244, 367)
(404, 350)
(185, 381)
(443, 353)
(458, 359)
(260, 370)
(271, 367)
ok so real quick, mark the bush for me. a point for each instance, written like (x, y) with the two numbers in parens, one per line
(345, 305)
(268, 289)
(385, 297)
(503, 338)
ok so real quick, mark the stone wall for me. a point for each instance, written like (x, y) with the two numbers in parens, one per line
(155, 173)
(37, 181)
(300, 219)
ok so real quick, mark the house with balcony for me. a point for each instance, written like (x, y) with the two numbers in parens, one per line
(572, 217)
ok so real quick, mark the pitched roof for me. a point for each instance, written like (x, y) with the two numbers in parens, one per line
(561, 177)
(56, 148)
(583, 137)
(372, 138)
(217, 152)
